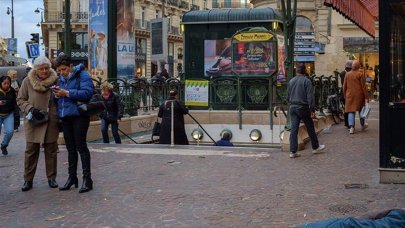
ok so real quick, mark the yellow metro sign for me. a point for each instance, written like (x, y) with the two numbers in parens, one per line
(253, 36)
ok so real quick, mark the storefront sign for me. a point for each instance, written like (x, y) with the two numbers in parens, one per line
(256, 36)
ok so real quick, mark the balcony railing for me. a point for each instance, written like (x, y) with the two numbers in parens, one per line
(173, 2)
(221, 5)
(59, 16)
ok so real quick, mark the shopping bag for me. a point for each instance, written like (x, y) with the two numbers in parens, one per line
(365, 111)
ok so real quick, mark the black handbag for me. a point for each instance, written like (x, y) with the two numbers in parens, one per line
(37, 122)
(156, 129)
(92, 107)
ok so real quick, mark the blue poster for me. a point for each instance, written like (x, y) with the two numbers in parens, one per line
(98, 33)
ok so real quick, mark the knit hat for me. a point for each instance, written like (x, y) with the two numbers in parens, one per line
(349, 64)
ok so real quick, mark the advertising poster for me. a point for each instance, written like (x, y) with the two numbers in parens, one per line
(98, 21)
(196, 93)
(281, 75)
(125, 39)
(217, 58)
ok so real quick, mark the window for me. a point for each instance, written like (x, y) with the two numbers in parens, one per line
(157, 14)
(140, 46)
(143, 17)
(171, 49)
(79, 40)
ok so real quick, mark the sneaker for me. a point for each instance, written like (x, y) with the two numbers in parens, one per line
(351, 130)
(319, 149)
(294, 154)
(364, 127)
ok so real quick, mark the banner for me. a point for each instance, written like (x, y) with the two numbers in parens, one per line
(196, 93)
(125, 39)
(281, 76)
(98, 33)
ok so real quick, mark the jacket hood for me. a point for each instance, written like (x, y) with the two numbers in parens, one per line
(42, 85)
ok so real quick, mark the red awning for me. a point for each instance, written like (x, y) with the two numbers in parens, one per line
(363, 13)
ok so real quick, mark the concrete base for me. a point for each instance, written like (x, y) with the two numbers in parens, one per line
(128, 125)
(320, 124)
(392, 176)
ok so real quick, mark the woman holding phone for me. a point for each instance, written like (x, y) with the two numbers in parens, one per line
(75, 84)
(8, 109)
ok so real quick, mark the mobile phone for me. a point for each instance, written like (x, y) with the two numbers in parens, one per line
(55, 88)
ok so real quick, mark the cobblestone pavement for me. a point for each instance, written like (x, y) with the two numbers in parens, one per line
(155, 186)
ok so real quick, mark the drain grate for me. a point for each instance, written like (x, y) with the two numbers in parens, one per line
(347, 208)
(356, 186)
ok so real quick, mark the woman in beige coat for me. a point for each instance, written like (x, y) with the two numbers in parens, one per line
(356, 95)
(35, 97)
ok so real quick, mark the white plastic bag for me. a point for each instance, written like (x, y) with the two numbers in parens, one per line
(365, 111)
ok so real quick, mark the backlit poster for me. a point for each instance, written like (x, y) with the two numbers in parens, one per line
(125, 39)
(98, 34)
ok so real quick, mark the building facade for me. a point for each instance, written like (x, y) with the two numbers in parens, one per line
(335, 39)
(145, 11)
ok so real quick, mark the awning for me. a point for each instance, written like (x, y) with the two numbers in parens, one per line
(363, 13)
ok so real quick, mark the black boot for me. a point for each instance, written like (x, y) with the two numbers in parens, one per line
(72, 180)
(3, 149)
(52, 183)
(87, 185)
(27, 186)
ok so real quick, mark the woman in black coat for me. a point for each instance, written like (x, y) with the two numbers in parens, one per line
(180, 136)
(113, 112)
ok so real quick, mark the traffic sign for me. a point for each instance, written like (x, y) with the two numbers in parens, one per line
(12, 45)
(33, 50)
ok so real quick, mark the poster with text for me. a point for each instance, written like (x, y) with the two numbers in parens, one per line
(125, 39)
(98, 33)
(196, 93)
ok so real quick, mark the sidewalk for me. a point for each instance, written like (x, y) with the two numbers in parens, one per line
(159, 186)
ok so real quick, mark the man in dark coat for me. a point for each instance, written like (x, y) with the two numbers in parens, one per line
(179, 111)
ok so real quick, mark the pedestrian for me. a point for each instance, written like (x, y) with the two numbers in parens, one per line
(301, 102)
(8, 111)
(75, 84)
(348, 67)
(112, 114)
(356, 95)
(225, 140)
(34, 99)
(14, 82)
(179, 111)
(158, 82)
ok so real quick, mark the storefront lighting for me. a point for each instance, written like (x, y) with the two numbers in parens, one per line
(275, 25)
(181, 28)
(255, 135)
(197, 134)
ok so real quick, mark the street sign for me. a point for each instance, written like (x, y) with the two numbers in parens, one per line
(12, 45)
(33, 50)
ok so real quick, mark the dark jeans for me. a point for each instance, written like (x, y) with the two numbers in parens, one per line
(114, 130)
(75, 133)
(297, 114)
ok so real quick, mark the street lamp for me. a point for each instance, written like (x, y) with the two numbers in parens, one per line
(11, 10)
(42, 15)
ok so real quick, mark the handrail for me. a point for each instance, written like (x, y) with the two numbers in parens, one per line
(203, 129)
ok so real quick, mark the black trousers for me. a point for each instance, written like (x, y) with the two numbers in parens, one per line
(75, 133)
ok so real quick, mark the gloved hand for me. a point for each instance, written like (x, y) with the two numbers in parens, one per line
(37, 114)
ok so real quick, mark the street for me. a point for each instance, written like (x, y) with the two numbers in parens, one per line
(191, 186)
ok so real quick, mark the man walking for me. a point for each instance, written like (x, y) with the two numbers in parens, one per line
(301, 100)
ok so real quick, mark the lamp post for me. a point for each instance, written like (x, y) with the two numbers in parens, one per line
(42, 15)
(11, 10)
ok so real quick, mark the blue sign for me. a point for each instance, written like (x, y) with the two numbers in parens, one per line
(33, 50)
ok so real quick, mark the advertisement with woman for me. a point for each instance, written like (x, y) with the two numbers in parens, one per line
(98, 33)
(125, 39)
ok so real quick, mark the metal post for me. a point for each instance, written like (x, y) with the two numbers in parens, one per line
(172, 126)
(12, 19)
(67, 36)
